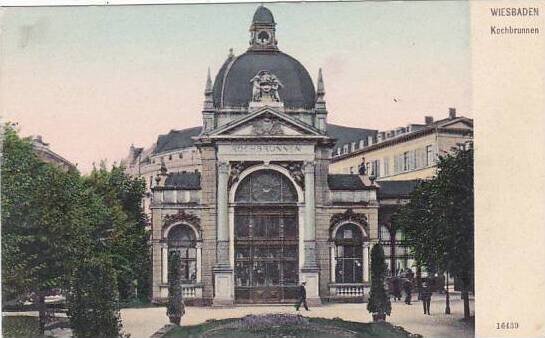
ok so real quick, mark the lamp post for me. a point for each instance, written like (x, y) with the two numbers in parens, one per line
(447, 307)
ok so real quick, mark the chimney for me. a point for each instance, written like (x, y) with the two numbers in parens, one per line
(452, 113)
(429, 120)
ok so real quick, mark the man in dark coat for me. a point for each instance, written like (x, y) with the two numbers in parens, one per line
(301, 297)
(426, 297)
(408, 287)
(396, 288)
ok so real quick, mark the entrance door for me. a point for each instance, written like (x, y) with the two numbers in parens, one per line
(266, 239)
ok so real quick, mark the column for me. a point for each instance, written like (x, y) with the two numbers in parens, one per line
(333, 261)
(223, 273)
(164, 261)
(310, 218)
(198, 246)
(310, 271)
(366, 262)
(223, 215)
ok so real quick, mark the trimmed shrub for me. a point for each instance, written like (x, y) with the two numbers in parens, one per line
(93, 300)
(175, 306)
(379, 302)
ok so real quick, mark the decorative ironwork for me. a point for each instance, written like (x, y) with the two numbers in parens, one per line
(266, 186)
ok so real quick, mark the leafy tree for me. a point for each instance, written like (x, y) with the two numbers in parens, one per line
(439, 220)
(175, 306)
(379, 302)
(47, 222)
(93, 300)
(127, 238)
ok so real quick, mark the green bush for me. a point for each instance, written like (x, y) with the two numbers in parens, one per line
(379, 302)
(93, 300)
(175, 306)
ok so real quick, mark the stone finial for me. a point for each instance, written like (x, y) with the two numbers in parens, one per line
(231, 54)
(208, 93)
(208, 86)
(320, 90)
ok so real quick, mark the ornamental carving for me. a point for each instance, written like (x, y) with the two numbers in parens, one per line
(236, 169)
(296, 172)
(265, 87)
(267, 126)
(182, 216)
(348, 216)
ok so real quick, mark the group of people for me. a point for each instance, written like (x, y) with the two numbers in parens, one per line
(405, 282)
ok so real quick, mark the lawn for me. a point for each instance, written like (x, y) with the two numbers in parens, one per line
(284, 325)
(20, 326)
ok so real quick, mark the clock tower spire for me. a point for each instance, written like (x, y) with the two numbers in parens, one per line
(262, 30)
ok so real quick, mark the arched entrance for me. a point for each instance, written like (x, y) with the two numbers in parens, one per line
(266, 238)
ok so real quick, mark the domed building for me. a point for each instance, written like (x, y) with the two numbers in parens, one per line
(247, 199)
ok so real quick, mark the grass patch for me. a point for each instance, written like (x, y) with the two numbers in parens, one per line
(21, 326)
(290, 326)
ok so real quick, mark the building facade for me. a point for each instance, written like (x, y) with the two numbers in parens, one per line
(248, 199)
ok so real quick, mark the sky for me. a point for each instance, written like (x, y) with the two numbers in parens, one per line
(93, 80)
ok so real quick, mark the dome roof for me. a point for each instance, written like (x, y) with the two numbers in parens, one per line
(263, 15)
(232, 87)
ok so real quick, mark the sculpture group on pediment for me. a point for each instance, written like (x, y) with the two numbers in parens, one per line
(267, 126)
(265, 87)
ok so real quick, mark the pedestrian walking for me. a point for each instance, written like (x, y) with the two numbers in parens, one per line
(408, 287)
(426, 297)
(301, 297)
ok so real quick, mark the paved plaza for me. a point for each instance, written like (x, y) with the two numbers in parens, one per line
(141, 323)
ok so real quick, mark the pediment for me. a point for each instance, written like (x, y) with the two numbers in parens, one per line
(266, 123)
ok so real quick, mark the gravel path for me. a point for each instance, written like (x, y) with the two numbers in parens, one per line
(142, 323)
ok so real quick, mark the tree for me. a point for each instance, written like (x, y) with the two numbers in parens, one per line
(438, 221)
(379, 302)
(47, 218)
(175, 306)
(93, 305)
(127, 238)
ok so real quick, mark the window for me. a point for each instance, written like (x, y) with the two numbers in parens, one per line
(345, 149)
(375, 168)
(406, 160)
(353, 146)
(361, 144)
(266, 186)
(429, 155)
(181, 238)
(386, 166)
(349, 254)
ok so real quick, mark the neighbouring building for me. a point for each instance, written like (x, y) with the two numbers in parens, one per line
(397, 159)
(47, 155)
(250, 199)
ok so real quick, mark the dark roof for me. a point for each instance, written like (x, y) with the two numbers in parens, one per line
(396, 189)
(232, 83)
(187, 181)
(263, 15)
(176, 139)
(347, 135)
(345, 182)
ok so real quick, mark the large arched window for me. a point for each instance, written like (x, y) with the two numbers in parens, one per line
(266, 186)
(349, 254)
(181, 238)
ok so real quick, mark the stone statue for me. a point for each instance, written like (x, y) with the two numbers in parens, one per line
(265, 87)
(361, 168)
